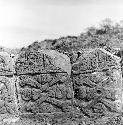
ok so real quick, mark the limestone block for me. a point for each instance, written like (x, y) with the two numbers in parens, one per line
(42, 62)
(6, 67)
(43, 82)
(55, 91)
(7, 95)
(97, 80)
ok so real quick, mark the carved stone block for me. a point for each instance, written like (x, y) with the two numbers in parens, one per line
(54, 91)
(7, 96)
(43, 82)
(97, 82)
(42, 62)
(6, 66)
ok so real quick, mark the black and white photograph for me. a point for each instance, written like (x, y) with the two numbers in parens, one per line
(61, 62)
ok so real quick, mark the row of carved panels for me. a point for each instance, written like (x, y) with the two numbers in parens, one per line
(38, 62)
(84, 94)
(64, 96)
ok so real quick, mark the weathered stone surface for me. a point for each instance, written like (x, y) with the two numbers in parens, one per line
(43, 82)
(42, 62)
(6, 67)
(7, 96)
(97, 83)
(59, 59)
(44, 93)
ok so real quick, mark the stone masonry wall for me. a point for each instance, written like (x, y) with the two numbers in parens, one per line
(44, 81)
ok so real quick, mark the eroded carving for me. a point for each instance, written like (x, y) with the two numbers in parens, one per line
(6, 67)
(47, 90)
(41, 62)
(95, 84)
(7, 100)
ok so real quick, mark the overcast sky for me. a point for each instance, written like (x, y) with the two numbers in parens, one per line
(24, 21)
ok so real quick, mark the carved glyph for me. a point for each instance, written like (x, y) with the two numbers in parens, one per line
(44, 84)
(97, 81)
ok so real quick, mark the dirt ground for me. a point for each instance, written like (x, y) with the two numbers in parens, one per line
(113, 119)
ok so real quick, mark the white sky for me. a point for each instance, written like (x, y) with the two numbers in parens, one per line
(24, 21)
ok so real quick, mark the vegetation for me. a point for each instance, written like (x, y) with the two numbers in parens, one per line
(107, 35)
